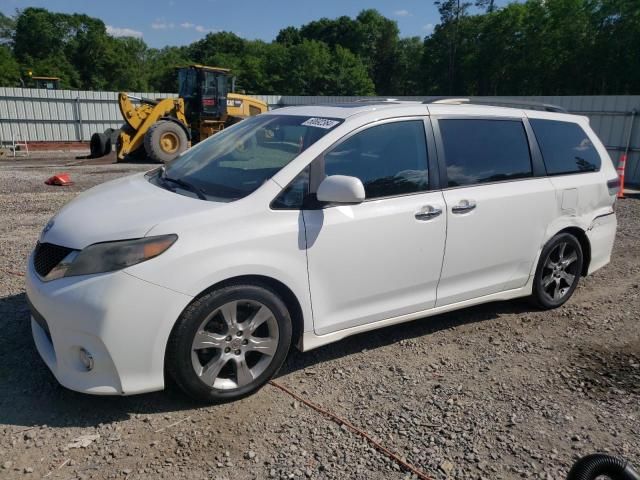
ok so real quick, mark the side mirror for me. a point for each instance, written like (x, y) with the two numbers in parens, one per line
(341, 190)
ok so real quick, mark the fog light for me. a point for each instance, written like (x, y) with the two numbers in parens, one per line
(87, 359)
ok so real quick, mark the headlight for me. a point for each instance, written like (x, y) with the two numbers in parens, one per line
(110, 256)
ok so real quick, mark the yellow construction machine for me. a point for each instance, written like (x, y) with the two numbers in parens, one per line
(164, 128)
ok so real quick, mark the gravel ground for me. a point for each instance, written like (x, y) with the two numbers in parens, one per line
(497, 391)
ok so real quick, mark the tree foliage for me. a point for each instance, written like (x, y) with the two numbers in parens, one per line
(536, 47)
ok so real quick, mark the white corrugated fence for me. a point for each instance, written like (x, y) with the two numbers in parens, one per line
(36, 115)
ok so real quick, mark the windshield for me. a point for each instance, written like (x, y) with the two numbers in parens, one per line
(235, 162)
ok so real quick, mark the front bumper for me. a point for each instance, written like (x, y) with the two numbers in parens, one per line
(122, 321)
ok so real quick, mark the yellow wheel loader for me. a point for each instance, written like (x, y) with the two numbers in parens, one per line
(164, 128)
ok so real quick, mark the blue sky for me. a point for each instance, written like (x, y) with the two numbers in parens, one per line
(179, 22)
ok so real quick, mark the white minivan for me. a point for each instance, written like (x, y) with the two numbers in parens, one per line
(308, 224)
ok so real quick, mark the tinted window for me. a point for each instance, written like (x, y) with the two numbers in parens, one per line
(478, 151)
(390, 159)
(565, 147)
(293, 196)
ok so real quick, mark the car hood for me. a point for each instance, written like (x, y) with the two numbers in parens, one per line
(117, 210)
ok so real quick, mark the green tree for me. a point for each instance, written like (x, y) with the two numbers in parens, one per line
(406, 77)
(309, 67)
(348, 75)
(126, 65)
(160, 65)
(9, 68)
(289, 36)
(451, 14)
(616, 64)
(524, 48)
(379, 48)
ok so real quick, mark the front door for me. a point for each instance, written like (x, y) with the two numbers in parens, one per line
(381, 258)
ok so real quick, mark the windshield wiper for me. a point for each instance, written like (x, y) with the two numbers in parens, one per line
(184, 184)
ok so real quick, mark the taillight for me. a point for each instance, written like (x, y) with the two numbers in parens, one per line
(209, 102)
(614, 186)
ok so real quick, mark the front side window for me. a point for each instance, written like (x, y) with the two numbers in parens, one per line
(187, 78)
(390, 159)
(484, 151)
(565, 147)
(235, 162)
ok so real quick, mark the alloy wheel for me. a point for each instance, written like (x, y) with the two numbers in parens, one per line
(559, 272)
(235, 344)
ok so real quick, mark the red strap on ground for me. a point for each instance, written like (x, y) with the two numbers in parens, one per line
(11, 272)
(340, 421)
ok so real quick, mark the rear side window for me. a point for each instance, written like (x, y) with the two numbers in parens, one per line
(390, 159)
(483, 151)
(565, 147)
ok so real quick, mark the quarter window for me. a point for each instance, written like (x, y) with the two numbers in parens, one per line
(292, 197)
(482, 151)
(565, 147)
(390, 159)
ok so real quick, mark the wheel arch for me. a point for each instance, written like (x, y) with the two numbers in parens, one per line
(581, 235)
(278, 287)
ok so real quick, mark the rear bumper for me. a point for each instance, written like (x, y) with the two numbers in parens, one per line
(601, 235)
(122, 321)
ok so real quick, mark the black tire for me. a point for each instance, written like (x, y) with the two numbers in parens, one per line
(97, 145)
(557, 265)
(165, 140)
(180, 363)
(107, 146)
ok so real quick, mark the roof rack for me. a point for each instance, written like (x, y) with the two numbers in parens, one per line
(375, 99)
(507, 102)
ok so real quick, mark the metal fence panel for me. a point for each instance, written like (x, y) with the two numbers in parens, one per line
(65, 115)
(38, 115)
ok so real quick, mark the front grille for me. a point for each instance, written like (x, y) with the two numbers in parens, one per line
(47, 256)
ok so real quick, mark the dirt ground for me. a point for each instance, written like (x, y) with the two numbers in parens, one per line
(492, 392)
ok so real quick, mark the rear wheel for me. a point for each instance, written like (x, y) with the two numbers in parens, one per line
(98, 145)
(229, 343)
(164, 141)
(558, 271)
(107, 146)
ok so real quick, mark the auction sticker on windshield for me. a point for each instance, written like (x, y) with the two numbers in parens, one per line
(325, 123)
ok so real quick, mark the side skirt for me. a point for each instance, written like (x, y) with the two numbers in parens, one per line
(310, 340)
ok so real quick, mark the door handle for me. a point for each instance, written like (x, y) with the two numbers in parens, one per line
(464, 206)
(428, 212)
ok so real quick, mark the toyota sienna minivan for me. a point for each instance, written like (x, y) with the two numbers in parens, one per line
(305, 225)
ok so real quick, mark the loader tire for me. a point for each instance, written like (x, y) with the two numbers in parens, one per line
(98, 145)
(164, 141)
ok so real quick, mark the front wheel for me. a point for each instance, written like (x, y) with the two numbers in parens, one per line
(229, 343)
(165, 140)
(558, 271)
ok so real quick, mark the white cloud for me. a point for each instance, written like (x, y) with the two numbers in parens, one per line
(162, 25)
(428, 28)
(123, 32)
(197, 28)
(402, 13)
